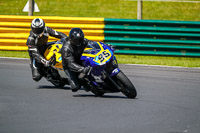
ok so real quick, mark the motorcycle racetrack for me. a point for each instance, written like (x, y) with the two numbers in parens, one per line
(168, 101)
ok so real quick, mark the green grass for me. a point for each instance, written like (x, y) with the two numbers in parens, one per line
(159, 60)
(112, 9)
(107, 9)
(17, 54)
(131, 59)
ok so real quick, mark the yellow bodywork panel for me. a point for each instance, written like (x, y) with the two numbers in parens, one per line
(54, 49)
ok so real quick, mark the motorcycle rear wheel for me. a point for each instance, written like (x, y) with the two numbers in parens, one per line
(127, 88)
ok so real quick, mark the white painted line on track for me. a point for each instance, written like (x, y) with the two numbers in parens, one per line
(142, 65)
(13, 58)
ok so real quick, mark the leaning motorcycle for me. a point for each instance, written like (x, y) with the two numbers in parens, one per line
(55, 73)
(104, 75)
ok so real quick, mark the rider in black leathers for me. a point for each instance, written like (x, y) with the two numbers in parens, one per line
(37, 44)
(71, 53)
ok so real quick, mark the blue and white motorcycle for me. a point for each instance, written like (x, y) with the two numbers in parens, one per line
(104, 75)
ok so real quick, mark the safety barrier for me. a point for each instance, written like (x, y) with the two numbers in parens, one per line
(129, 36)
(153, 37)
(14, 30)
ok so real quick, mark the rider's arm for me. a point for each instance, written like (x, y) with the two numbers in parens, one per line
(55, 33)
(69, 61)
(33, 50)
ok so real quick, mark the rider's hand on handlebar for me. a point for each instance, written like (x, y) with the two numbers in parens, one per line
(111, 46)
(45, 62)
(84, 72)
(86, 69)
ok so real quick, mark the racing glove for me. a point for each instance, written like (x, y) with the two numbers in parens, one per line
(84, 72)
(45, 62)
(111, 46)
(86, 69)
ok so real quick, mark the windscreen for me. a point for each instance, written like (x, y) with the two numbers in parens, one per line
(92, 48)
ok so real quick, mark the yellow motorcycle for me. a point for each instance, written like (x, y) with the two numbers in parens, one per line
(55, 73)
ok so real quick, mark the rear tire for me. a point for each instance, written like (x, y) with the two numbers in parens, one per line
(127, 88)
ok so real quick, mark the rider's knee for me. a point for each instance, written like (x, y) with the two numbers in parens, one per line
(37, 77)
(74, 87)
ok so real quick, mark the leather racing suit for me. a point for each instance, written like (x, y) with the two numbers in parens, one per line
(72, 64)
(37, 47)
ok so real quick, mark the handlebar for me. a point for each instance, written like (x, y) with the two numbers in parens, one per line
(82, 75)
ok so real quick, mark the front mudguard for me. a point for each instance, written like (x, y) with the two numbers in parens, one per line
(112, 67)
(115, 72)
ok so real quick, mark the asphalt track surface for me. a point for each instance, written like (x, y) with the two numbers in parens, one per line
(168, 101)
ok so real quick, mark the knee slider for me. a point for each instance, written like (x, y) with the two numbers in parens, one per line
(37, 78)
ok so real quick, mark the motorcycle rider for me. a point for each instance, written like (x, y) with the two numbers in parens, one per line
(71, 53)
(37, 44)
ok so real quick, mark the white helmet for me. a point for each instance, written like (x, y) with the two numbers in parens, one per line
(38, 26)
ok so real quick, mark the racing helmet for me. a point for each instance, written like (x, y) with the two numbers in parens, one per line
(37, 27)
(76, 37)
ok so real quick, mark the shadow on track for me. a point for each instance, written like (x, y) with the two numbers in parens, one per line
(82, 95)
(105, 96)
(53, 87)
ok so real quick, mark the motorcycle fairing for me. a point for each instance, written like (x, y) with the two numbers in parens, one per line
(97, 54)
(54, 49)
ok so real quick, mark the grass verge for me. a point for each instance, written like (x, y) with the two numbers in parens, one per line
(161, 10)
(159, 60)
(131, 59)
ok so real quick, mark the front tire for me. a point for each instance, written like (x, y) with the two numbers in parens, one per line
(127, 88)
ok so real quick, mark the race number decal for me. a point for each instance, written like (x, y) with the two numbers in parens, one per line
(103, 56)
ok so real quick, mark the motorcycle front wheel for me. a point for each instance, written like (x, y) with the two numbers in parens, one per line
(127, 88)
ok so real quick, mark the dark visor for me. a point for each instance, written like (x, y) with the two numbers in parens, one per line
(38, 30)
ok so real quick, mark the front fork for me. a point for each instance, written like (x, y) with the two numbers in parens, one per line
(114, 71)
(110, 77)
